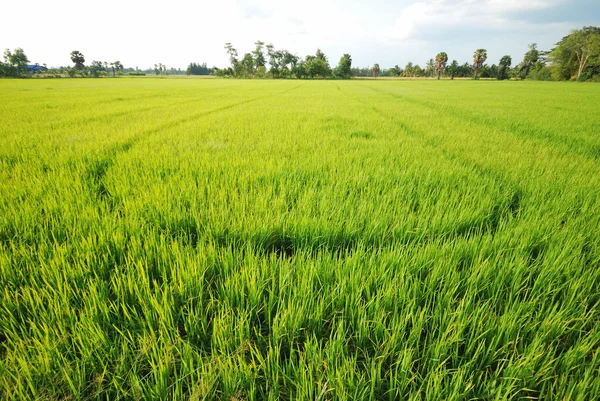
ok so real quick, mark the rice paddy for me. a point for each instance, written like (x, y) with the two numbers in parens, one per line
(299, 240)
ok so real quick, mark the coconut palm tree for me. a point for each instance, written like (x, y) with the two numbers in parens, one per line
(430, 67)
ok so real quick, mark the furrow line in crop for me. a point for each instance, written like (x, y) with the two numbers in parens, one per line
(505, 210)
(508, 209)
(481, 170)
(137, 98)
(97, 169)
(122, 113)
(519, 129)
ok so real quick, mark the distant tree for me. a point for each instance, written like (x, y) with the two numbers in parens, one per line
(288, 62)
(274, 60)
(577, 54)
(375, 71)
(540, 72)
(17, 60)
(409, 70)
(116, 67)
(319, 55)
(430, 67)
(97, 69)
(453, 69)
(419, 72)
(78, 59)
(317, 65)
(261, 72)
(487, 71)
(440, 63)
(4, 70)
(344, 67)
(233, 54)
(503, 67)
(300, 70)
(531, 57)
(479, 57)
(258, 54)
(198, 69)
(395, 71)
(247, 65)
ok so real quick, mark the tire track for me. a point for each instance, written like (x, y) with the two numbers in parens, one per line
(95, 173)
(520, 130)
(508, 208)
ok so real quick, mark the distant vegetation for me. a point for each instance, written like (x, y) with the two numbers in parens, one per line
(198, 69)
(575, 57)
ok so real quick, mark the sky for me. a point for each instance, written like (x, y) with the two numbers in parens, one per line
(143, 33)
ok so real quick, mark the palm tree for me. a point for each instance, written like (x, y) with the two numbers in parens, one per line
(375, 70)
(430, 66)
(440, 62)
(453, 69)
(479, 58)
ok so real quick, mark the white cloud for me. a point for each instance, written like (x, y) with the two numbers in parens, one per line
(144, 32)
(438, 15)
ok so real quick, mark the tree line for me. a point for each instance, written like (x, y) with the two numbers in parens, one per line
(282, 64)
(16, 64)
(533, 62)
(575, 57)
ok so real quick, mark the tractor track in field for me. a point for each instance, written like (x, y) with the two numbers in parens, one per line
(96, 171)
(481, 170)
(124, 113)
(507, 210)
(501, 211)
(521, 130)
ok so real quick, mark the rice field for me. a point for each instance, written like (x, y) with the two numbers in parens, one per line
(299, 240)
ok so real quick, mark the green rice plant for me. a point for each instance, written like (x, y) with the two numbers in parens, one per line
(274, 240)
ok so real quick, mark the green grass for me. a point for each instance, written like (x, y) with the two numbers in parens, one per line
(305, 240)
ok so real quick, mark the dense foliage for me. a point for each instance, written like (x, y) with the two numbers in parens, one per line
(198, 69)
(575, 57)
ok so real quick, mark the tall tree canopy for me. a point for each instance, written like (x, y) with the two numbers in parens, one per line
(531, 57)
(453, 69)
(259, 55)
(317, 65)
(344, 67)
(577, 54)
(78, 59)
(198, 69)
(17, 60)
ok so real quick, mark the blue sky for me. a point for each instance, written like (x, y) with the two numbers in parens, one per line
(141, 33)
